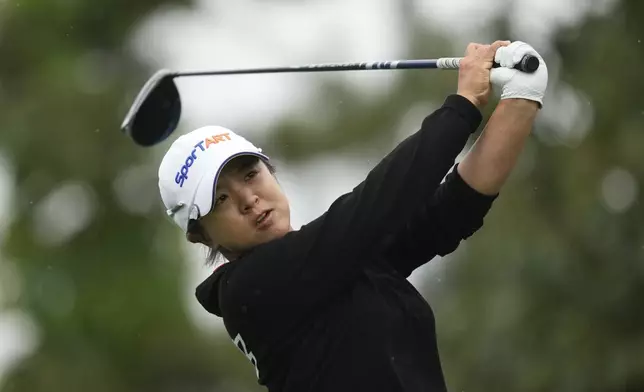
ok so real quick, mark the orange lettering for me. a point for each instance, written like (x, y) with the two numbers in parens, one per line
(210, 141)
(217, 138)
(222, 137)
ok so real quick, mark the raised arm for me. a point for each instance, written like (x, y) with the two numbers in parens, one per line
(488, 165)
(457, 209)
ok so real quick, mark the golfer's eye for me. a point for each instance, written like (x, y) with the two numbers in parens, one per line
(251, 174)
(220, 199)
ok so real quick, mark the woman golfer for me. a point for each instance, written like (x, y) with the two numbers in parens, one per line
(328, 307)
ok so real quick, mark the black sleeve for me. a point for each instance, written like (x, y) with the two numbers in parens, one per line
(317, 261)
(452, 214)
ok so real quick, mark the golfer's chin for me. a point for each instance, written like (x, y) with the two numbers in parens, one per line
(277, 229)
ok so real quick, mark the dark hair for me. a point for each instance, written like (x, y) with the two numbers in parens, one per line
(196, 235)
(196, 230)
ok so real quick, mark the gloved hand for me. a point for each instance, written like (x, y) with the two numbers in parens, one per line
(514, 83)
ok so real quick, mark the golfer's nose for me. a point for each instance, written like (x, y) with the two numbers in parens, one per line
(248, 200)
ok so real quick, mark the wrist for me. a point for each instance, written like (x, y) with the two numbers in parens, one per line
(471, 98)
(520, 104)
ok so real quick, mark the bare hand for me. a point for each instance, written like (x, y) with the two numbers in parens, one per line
(474, 72)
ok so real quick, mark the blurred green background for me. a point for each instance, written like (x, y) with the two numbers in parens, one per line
(96, 284)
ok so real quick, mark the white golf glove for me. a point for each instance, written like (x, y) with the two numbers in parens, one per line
(518, 84)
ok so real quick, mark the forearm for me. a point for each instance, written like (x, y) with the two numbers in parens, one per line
(453, 214)
(489, 163)
(407, 177)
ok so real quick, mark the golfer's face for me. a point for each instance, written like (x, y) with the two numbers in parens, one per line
(249, 206)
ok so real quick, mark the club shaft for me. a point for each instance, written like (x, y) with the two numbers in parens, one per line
(444, 63)
(528, 63)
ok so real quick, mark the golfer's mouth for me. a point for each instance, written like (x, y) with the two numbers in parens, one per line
(265, 219)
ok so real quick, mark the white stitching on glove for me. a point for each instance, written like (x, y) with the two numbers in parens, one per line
(517, 84)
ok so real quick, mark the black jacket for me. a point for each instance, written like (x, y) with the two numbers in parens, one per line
(328, 307)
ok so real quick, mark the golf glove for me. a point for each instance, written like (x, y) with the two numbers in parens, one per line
(517, 84)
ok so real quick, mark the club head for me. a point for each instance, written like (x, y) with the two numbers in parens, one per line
(155, 113)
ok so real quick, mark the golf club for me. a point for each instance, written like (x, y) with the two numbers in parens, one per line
(155, 113)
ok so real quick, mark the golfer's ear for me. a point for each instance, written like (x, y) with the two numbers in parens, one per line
(196, 233)
(196, 238)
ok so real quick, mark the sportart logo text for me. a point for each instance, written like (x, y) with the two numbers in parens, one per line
(182, 174)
